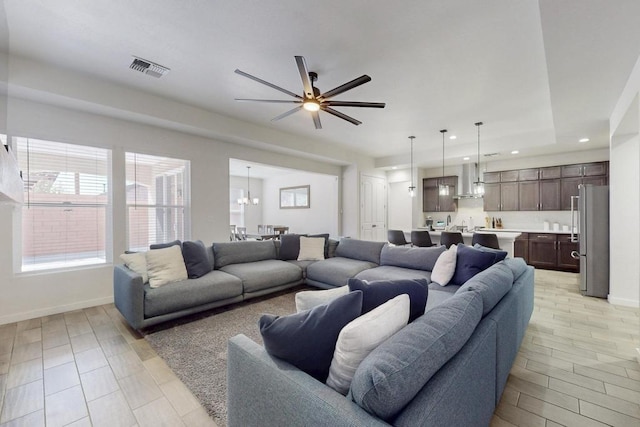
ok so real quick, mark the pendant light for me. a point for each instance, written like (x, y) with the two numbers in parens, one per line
(412, 188)
(248, 200)
(478, 185)
(443, 188)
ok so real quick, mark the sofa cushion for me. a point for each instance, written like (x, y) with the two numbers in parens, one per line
(265, 274)
(136, 262)
(307, 339)
(360, 336)
(243, 251)
(445, 266)
(396, 371)
(362, 250)
(499, 253)
(469, 262)
(195, 258)
(306, 300)
(492, 284)
(165, 265)
(289, 247)
(408, 257)
(336, 271)
(311, 248)
(390, 272)
(186, 294)
(378, 292)
(517, 266)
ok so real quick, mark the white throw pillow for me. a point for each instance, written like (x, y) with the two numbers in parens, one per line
(361, 336)
(445, 266)
(137, 262)
(311, 248)
(306, 300)
(165, 266)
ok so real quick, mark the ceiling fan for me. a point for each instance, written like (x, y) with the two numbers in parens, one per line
(312, 100)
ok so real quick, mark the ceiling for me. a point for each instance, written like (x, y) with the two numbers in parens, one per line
(539, 74)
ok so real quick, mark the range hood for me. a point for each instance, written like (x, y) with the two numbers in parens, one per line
(467, 175)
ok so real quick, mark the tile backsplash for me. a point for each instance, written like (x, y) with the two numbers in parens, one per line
(471, 210)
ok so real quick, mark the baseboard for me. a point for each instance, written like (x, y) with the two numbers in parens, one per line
(18, 317)
(623, 301)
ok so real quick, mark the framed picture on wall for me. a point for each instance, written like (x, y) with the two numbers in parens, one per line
(295, 197)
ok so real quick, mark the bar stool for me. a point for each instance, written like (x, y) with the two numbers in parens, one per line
(421, 239)
(396, 237)
(488, 240)
(448, 238)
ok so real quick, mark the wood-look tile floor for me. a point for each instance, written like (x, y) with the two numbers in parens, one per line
(577, 367)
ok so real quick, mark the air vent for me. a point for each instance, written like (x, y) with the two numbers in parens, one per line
(148, 67)
(491, 154)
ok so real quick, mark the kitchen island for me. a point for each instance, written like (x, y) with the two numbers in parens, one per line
(506, 239)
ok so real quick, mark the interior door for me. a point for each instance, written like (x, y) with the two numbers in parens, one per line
(373, 208)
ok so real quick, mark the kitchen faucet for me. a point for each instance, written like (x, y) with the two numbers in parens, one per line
(448, 219)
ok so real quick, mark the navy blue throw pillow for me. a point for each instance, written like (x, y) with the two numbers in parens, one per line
(307, 339)
(500, 254)
(166, 245)
(377, 292)
(195, 259)
(469, 262)
(289, 246)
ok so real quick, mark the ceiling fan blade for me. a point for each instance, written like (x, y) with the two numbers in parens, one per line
(342, 116)
(316, 119)
(286, 113)
(354, 104)
(304, 75)
(345, 87)
(280, 101)
(271, 85)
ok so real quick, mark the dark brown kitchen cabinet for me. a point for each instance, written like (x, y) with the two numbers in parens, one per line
(550, 195)
(569, 171)
(432, 201)
(501, 197)
(491, 177)
(594, 169)
(528, 174)
(548, 251)
(521, 246)
(529, 195)
(553, 172)
(568, 189)
(509, 176)
(542, 250)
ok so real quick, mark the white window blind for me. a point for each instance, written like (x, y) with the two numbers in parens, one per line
(66, 197)
(158, 200)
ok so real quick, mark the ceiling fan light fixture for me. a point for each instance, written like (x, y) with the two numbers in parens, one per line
(311, 105)
(478, 186)
(443, 188)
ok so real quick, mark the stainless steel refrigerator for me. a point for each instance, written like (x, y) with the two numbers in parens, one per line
(590, 228)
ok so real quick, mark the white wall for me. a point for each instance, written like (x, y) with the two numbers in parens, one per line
(321, 217)
(24, 296)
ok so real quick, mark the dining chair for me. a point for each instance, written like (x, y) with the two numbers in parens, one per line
(232, 232)
(396, 237)
(241, 233)
(448, 238)
(421, 238)
(488, 240)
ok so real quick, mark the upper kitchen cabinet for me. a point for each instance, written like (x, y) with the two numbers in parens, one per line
(540, 189)
(432, 201)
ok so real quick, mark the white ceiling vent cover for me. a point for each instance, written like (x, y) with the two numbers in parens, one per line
(148, 67)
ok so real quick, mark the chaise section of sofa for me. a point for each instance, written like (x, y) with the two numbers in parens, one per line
(462, 391)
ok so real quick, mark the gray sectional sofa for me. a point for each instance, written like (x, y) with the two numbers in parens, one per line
(447, 368)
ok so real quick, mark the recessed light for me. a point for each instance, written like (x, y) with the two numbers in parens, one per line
(465, 158)
(515, 152)
(583, 140)
(394, 167)
(452, 137)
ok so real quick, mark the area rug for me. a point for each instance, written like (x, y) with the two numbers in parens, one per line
(195, 347)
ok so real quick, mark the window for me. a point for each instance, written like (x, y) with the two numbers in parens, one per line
(66, 197)
(158, 200)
